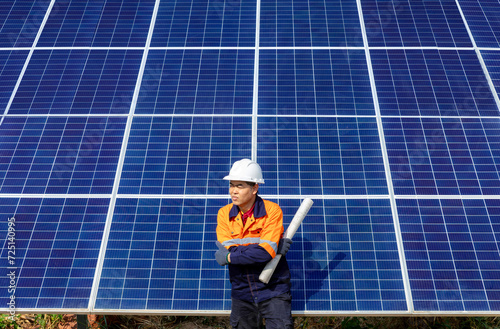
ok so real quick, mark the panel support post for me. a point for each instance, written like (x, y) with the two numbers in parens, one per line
(82, 321)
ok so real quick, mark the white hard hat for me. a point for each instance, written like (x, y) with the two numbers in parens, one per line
(246, 170)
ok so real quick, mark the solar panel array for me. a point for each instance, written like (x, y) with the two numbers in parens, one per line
(120, 118)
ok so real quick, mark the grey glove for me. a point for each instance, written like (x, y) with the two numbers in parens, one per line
(221, 254)
(284, 245)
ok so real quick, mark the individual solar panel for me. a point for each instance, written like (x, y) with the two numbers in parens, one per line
(75, 155)
(205, 23)
(482, 18)
(452, 255)
(160, 256)
(318, 82)
(432, 82)
(313, 23)
(344, 257)
(78, 82)
(414, 24)
(20, 21)
(492, 62)
(100, 23)
(182, 154)
(197, 82)
(57, 243)
(320, 156)
(432, 156)
(11, 64)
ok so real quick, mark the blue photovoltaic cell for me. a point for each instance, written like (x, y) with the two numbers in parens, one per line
(204, 23)
(414, 23)
(78, 82)
(160, 256)
(319, 82)
(183, 155)
(452, 253)
(57, 243)
(432, 82)
(97, 23)
(444, 156)
(20, 21)
(492, 61)
(11, 64)
(482, 18)
(59, 154)
(306, 23)
(320, 156)
(197, 82)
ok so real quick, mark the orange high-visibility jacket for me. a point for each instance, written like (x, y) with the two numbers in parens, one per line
(251, 247)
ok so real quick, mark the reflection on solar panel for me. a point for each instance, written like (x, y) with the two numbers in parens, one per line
(119, 119)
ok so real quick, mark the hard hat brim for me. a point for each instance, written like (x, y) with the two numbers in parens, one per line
(244, 179)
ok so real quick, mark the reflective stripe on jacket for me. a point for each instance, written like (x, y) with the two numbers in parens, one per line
(251, 247)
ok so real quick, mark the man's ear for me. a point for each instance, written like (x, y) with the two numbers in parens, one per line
(255, 189)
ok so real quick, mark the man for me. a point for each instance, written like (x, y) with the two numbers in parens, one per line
(249, 232)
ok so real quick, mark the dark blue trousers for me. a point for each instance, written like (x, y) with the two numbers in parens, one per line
(276, 311)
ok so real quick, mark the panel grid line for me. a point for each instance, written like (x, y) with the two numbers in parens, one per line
(255, 104)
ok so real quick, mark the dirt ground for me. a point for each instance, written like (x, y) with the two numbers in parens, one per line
(185, 322)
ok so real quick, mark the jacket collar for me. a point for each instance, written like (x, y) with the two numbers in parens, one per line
(258, 211)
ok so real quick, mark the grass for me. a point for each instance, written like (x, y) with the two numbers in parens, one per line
(49, 321)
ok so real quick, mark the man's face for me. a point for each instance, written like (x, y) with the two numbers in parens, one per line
(242, 193)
